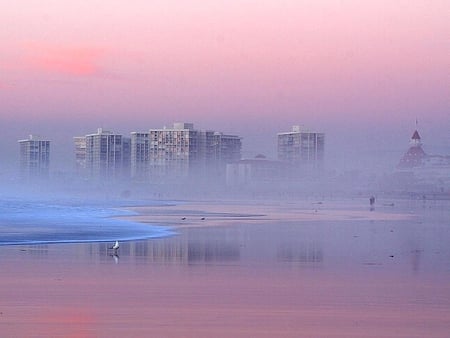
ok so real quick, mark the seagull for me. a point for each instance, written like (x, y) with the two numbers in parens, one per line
(115, 246)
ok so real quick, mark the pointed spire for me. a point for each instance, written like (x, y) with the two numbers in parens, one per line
(415, 138)
(415, 155)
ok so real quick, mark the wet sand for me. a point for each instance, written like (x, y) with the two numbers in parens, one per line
(217, 213)
(247, 270)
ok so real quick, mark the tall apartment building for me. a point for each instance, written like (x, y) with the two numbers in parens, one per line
(219, 150)
(222, 147)
(80, 154)
(104, 154)
(173, 151)
(301, 148)
(34, 160)
(181, 152)
(140, 155)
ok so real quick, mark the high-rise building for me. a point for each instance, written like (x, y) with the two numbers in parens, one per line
(181, 152)
(107, 155)
(140, 155)
(34, 157)
(219, 150)
(80, 154)
(302, 148)
(224, 148)
(173, 152)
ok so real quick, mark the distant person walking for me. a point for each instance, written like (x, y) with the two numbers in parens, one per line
(372, 201)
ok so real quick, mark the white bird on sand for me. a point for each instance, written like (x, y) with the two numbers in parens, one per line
(115, 246)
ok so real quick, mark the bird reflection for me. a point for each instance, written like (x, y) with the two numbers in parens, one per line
(116, 258)
(114, 255)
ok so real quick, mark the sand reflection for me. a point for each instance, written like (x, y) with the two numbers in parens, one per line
(240, 274)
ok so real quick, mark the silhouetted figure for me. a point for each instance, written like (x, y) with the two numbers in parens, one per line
(372, 202)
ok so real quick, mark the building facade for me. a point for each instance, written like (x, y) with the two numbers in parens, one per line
(80, 154)
(34, 157)
(140, 155)
(181, 152)
(105, 155)
(224, 148)
(174, 152)
(257, 171)
(302, 148)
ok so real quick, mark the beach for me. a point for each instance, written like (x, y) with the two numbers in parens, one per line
(242, 269)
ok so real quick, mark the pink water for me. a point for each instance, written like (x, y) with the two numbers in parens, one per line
(322, 279)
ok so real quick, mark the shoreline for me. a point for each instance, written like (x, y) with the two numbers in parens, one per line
(171, 215)
(249, 269)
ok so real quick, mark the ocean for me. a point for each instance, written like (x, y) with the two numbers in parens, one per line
(70, 221)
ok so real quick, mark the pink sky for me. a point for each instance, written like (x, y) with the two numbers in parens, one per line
(225, 64)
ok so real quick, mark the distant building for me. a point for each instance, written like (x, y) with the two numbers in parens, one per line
(419, 170)
(174, 152)
(256, 171)
(105, 156)
(140, 155)
(80, 154)
(415, 155)
(219, 150)
(301, 148)
(34, 159)
(126, 157)
(181, 152)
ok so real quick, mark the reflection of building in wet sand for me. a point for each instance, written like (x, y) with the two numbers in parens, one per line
(212, 245)
(303, 253)
(36, 250)
(178, 249)
(203, 251)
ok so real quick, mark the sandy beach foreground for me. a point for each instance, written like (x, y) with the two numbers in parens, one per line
(247, 269)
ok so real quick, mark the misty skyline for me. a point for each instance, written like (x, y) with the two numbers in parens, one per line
(67, 147)
(361, 72)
